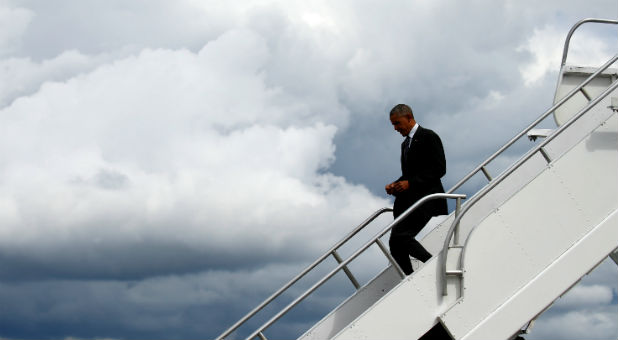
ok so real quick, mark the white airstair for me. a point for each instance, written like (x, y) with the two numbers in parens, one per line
(513, 248)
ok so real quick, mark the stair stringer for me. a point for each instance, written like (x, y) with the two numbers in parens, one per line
(352, 307)
(558, 278)
(409, 310)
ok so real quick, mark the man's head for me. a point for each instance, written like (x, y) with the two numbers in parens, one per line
(402, 119)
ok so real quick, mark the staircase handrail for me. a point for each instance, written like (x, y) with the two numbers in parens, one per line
(565, 50)
(539, 148)
(344, 263)
(308, 269)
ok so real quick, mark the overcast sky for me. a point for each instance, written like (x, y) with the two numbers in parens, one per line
(167, 165)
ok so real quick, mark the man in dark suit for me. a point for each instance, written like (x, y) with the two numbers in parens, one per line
(422, 165)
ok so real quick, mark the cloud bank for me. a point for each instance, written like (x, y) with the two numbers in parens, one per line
(154, 151)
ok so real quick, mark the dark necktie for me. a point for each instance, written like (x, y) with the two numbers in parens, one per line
(406, 147)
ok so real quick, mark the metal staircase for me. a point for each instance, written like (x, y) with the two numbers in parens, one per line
(512, 249)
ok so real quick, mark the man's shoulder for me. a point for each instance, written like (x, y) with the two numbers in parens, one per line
(426, 132)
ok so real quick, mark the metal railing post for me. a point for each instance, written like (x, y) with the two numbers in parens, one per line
(486, 173)
(346, 270)
(390, 258)
(457, 212)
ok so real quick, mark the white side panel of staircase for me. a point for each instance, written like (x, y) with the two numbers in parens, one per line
(572, 76)
(581, 128)
(491, 201)
(406, 312)
(543, 221)
(354, 306)
(551, 282)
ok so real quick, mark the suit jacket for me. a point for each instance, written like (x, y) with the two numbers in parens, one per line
(422, 166)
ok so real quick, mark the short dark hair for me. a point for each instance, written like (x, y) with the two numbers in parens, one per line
(401, 110)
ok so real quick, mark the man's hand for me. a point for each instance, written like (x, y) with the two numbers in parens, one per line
(389, 188)
(397, 187)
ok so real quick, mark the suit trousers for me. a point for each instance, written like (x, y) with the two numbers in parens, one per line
(403, 244)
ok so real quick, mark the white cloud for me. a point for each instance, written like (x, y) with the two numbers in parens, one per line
(587, 311)
(581, 324)
(188, 149)
(586, 295)
(23, 76)
(546, 46)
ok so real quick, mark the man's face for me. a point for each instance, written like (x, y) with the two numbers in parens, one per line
(402, 124)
